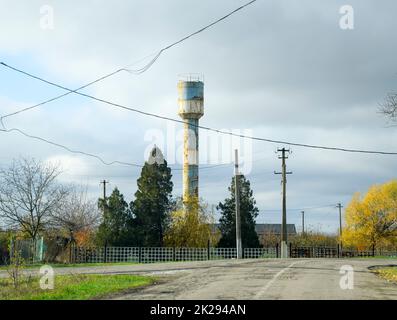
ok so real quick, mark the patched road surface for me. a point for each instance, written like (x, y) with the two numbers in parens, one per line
(253, 279)
(272, 279)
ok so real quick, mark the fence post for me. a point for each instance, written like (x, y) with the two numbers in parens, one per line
(105, 253)
(208, 251)
(277, 250)
(70, 252)
(173, 254)
(338, 251)
(290, 249)
(140, 255)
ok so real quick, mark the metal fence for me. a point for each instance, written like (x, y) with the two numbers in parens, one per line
(122, 254)
(89, 255)
(257, 253)
(223, 253)
(29, 250)
(152, 254)
(168, 254)
(368, 253)
(337, 252)
(314, 252)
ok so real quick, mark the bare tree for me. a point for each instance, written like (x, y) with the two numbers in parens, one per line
(29, 194)
(389, 107)
(76, 213)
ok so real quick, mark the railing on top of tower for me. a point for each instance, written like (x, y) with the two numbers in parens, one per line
(191, 77)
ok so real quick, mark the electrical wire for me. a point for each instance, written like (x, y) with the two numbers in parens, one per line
(132, 71)
(301, 209)
(200, 126)
(91, 154)
(57, 97)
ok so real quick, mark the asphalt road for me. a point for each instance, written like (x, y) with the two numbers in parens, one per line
(253, 279)
(273, 279)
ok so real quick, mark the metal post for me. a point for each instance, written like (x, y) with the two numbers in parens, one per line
(70, 252)
(208, 250)
(140, 255)
(237, 199)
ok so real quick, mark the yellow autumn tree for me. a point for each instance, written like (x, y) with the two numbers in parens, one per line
(371, 220)
(191, 226)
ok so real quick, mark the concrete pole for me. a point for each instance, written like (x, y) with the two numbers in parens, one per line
(284, 247)
(303, 222)
(340, 222)
(237, 199)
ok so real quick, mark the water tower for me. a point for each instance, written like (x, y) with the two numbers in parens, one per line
(191, 109)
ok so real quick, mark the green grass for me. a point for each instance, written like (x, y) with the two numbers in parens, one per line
(378, 257)
(72, 287)
(74, 265)
(389, 273)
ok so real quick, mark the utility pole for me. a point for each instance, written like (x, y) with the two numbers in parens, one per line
(303, 222)
(339, 206)
(284, 246)
(237, 198)
(104, 182)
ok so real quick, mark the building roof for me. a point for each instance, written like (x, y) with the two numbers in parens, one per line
(262, 228)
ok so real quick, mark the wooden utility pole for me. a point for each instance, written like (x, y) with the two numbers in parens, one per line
(284, 246)
(239, 246)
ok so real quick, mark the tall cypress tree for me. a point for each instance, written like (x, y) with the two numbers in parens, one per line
(153, 200)
(116, 227)
(248, 214)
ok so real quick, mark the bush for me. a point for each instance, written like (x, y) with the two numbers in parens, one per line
(4, 241)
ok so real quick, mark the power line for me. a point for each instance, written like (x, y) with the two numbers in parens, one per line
(300, 209)
(200, 126)
(57, 97)
(91, 154)
(136, 71)
(69, 149)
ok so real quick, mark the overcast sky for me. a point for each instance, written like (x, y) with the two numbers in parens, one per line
(282, 70)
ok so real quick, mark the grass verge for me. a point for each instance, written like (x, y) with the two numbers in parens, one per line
(74, 265)
(72, 287)
(378, 257)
